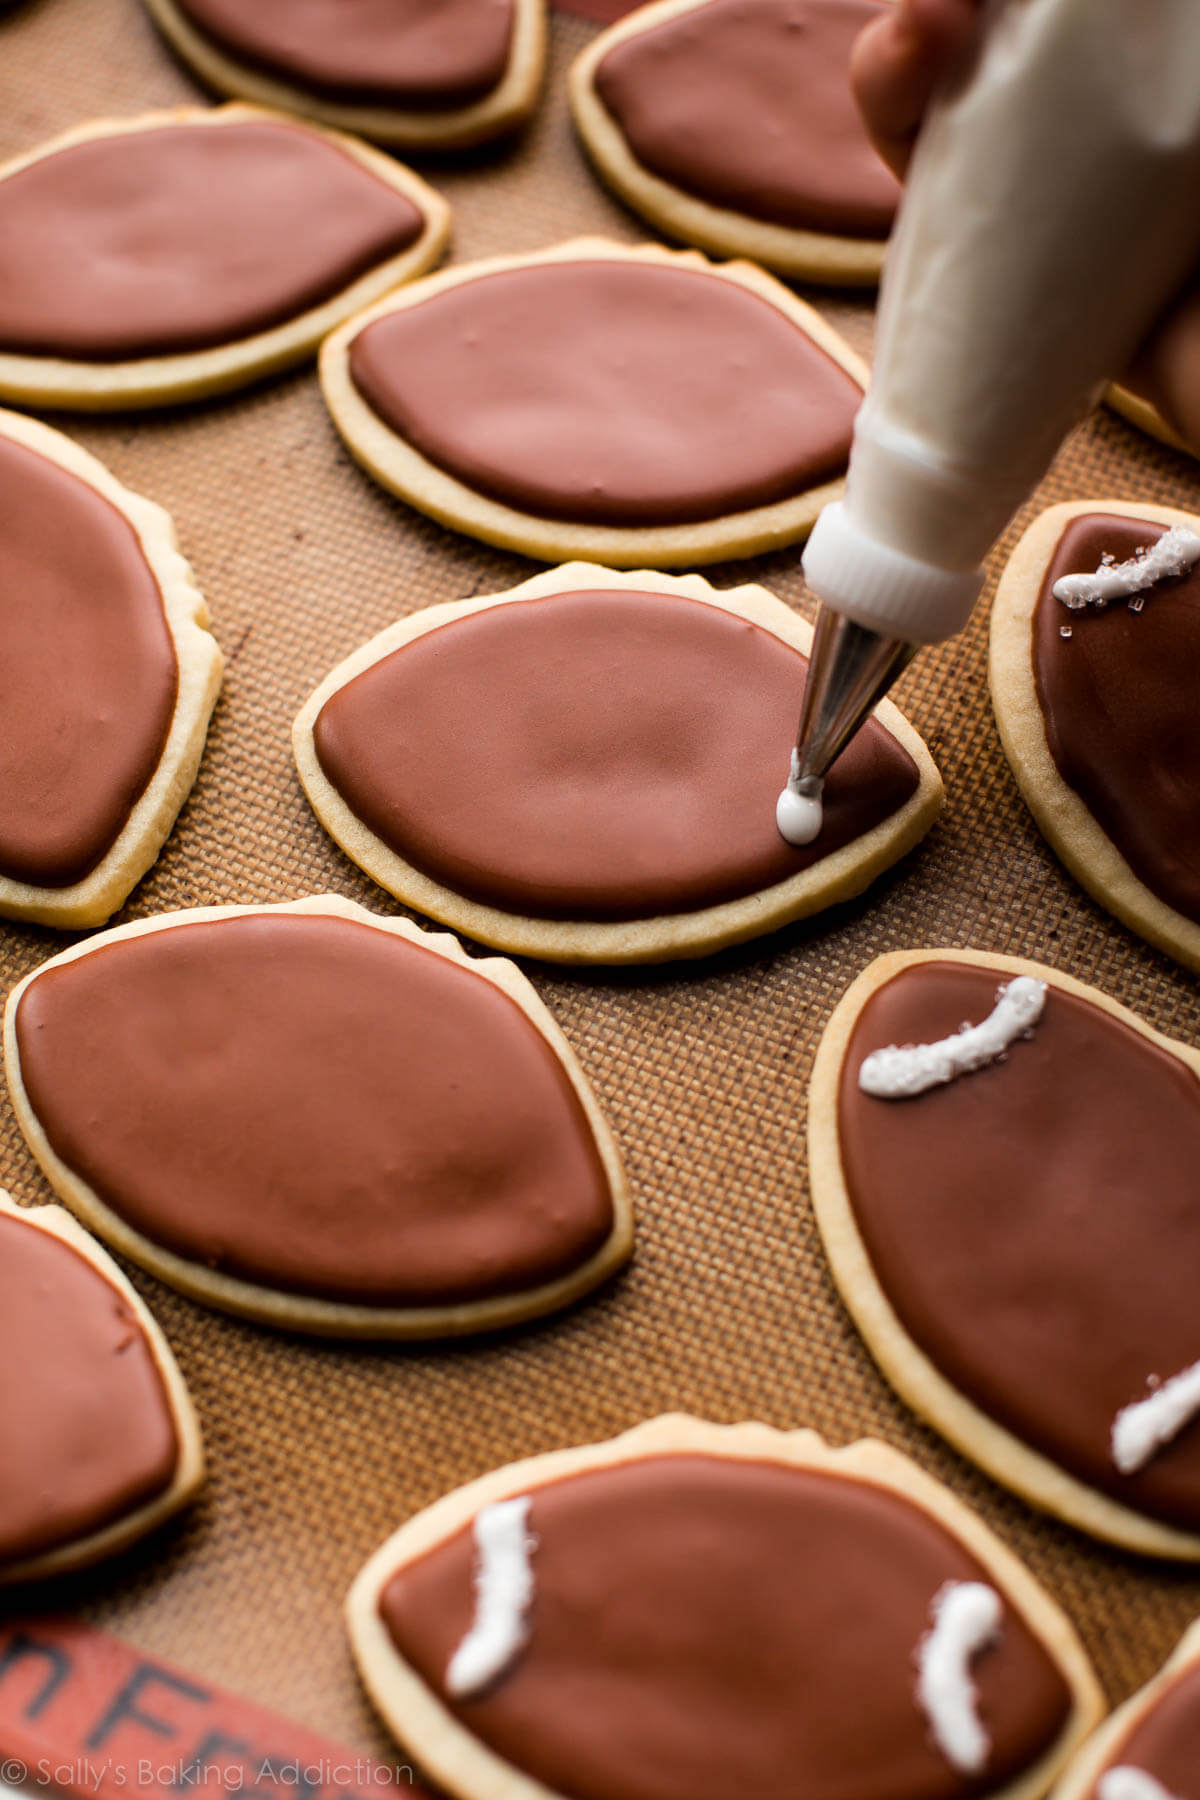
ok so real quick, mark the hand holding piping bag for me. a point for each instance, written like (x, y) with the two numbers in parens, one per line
(899, 62)
(1052, 217)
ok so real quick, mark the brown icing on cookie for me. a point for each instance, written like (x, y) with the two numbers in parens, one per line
(618, 393)
(401, 53)
(746, 104)
(680, 1632)
(1118, 699)
(601, 12)
(86, 1424)
(318, 1106)
(1166, 1743)
(1032, 1223)
(599, 754)
(182, 237)
(90, 674)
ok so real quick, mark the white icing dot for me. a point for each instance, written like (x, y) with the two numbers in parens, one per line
(503, 1595)
(899, 1072)
(798, 810)
(1128, 1783)
(1174, 553)
(798, 816)
(966, 1619)
(1140, 1431)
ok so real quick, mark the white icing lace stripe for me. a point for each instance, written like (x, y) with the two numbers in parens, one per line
(1174, 553)
(1140, 1431)
(897, 1073)
(1128, 1783)
(503, 1594)
(966, 1618)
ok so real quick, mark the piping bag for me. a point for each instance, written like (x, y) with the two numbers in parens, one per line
(1052, 210)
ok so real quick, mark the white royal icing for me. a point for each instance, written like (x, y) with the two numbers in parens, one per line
(1174, 553)
(901, 1071)
(966, 1619)
(798, 810)
(503, 1594)
(1128, 1783)
(1140, 1431)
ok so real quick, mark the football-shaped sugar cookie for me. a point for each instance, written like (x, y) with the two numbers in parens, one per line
(586, 768)
(100, 1440)
(415, 73)
(319, 1118)
(110, 676)
(730, 124)
(1095, 659)
(695, 1611)
(1150, 1748)
(1003, 1171)
(184, 253)
(635, 406)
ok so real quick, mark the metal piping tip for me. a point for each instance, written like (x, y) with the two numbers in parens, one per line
(850, 669)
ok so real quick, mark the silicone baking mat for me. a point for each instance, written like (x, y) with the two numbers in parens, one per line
(318, 1451)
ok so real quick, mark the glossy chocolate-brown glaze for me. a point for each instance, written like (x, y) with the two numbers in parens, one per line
(706, 1627)
(149, 243)
(316, 1105)
(747, 104)
(1034, 1224)
(1119, 701)
(610, 393)
(86, 1426)
(89, 671)
(400, 53)
(601, 12)
(602, 754)
(1166, 1743)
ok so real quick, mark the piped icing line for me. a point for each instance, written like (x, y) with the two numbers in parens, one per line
(1128, 1783)
(503, 1595)
(901, 1071)
(1174, 553)
(1141, 1430)
(966, 1619)
(799, 813)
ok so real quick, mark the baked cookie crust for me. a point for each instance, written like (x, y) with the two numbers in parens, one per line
(194, 374)
(1062, 817)
(505, 107)
(1145, 416)
(307, 1313)
(1095, 1756)
(687, 934)
(455, 1759)
(810, 255)
(920, 1384)
(189, 1467)
(403, 471)
(200, 664)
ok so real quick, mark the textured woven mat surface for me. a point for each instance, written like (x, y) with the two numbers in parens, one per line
(318, 1451)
